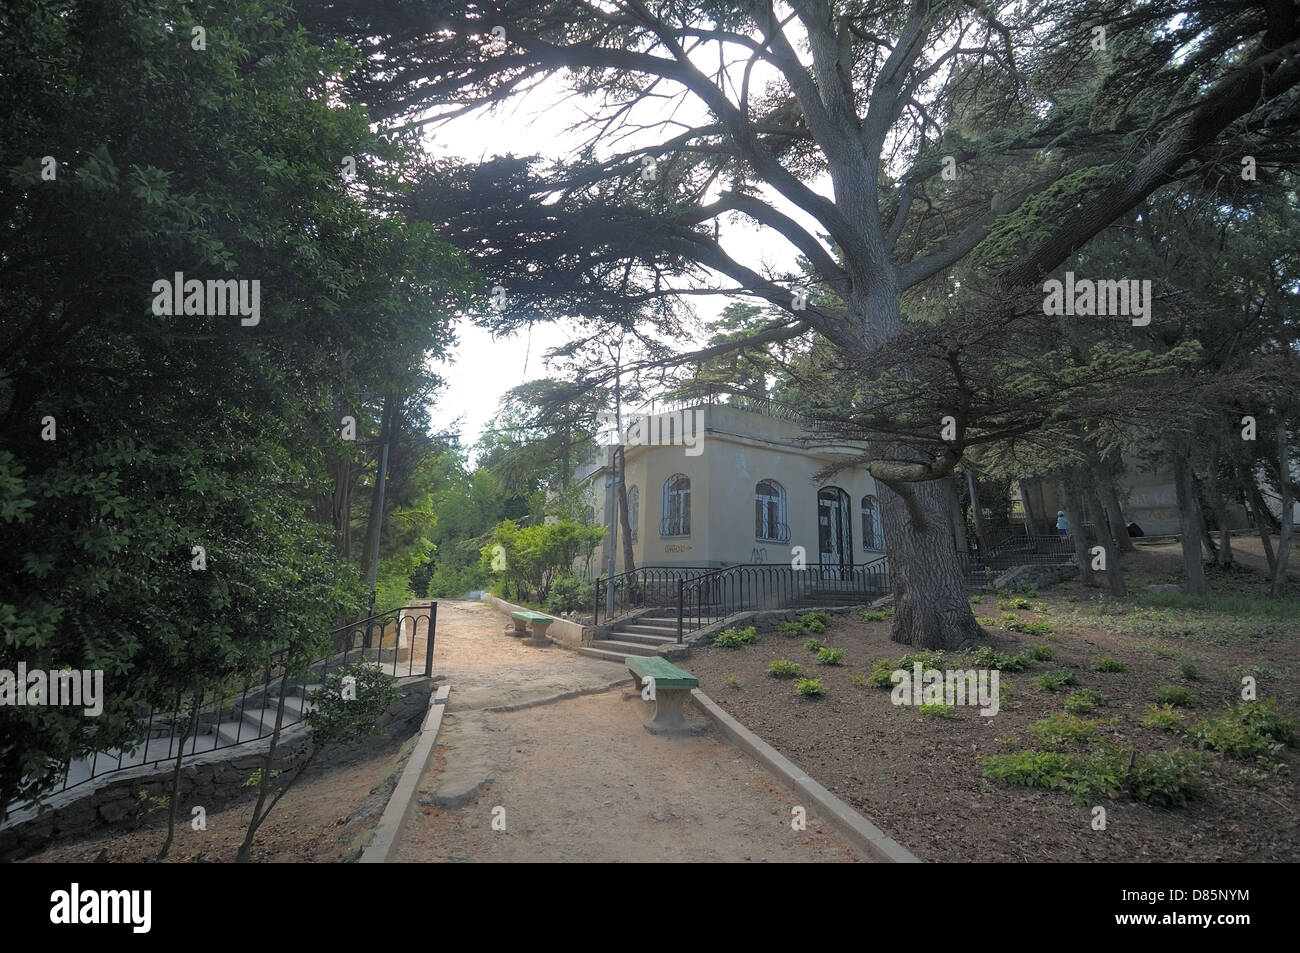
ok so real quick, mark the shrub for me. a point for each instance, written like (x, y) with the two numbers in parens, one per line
(879, 615)
(1187, 668)
(881, 675)
(1059, 732)
(816, 628)
(1040, 653)
(1165, 778)
(735, 638)
(568, 594)
(784, 668)
(813, 645)
(1034, 769)
(937, 711)
(1163, 717)
(1162, 779)
(929, 658)
(829, 656)
(858, 679)
(986, 657)
(1175, 695)
(1030, 628)
(1104, 663)
(1017, 603)
(1055, 681)
(790, 628)
(811, 619)
(809, 687)
(1083, 701)
(1246, 730)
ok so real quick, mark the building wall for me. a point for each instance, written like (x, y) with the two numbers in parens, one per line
(735, 450)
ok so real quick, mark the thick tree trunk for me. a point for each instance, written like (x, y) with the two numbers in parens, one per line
(1259, 514)
(1074, 526)
(1218, 500)
(1191, 526)
(931, 609)
(977, 511)
(625, 525)
(1114, 513)
(1114, 574)
(958, 520)
(1032, 525)
(1287, 511)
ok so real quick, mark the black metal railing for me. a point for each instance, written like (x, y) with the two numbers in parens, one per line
(400, 641)
(720, 593)
(643, 588)
(980, 568)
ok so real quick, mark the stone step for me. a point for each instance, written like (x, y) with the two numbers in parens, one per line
(664, 631)
(594, 652)
(627, 648)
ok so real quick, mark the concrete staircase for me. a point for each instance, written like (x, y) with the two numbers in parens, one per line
(652, 634)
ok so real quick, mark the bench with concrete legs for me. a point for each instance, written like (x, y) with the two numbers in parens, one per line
(668, 687)
(536, 622)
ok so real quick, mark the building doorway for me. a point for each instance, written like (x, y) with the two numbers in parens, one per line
(834, 530)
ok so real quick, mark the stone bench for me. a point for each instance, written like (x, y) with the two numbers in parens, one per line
(669, 687)
(536, 622)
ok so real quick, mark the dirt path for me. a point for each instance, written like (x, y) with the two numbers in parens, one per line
(580, 779)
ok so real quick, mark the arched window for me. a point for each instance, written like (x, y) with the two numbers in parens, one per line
(873, 533)
(633, 512)
(834, 527)
(676, 519)
(769, 512)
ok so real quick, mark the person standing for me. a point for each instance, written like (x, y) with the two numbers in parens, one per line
(1062, 528)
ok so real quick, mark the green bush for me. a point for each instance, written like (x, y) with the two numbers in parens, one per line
(1083, 701)
(1165, 778)
(568, 594)
(1104, 663)
(929, 658)
(809, 687)
(813, 645)
(816, 627)
(1058, 732)
(789, 628)
(812, 618)
(976, 600)
(735, 638)
(1163, 717)
(879, 615)
(937, 711)
(858, 679)
(784, 668)
(1246, 730)
(1040, 653)
(1187, 668)
(1162, 779)
(1017, 603)
(829, 656)
(881, 675)
(986, 657)
(1030, 628)
(1175, 695)
(1055, 681)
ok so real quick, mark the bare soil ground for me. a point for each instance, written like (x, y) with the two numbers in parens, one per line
(920, 778)
(586, 782)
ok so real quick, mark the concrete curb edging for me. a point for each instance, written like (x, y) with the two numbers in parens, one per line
(401, 802)
(847, 822)
(562, 632)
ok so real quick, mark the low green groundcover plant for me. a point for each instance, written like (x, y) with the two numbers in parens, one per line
(1055, 681)
(1246, 730)
(789, 628)
(1062, 732)
(830, 656)
(881, 675)
(878, 615)
(735, 638)
(813, 645)
(1161, 779)
(937, 711)
(1104, 663)
(784, 668)
(1175, 695)
(1083, 701)
(809, 687)
(986, 657)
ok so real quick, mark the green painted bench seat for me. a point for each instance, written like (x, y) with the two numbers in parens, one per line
(664, 672)
(672, 686)
(537, 622)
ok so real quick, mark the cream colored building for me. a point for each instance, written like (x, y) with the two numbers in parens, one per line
(714, 484)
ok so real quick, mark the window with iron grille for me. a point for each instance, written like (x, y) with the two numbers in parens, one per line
(676, 519)
(769, 512)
